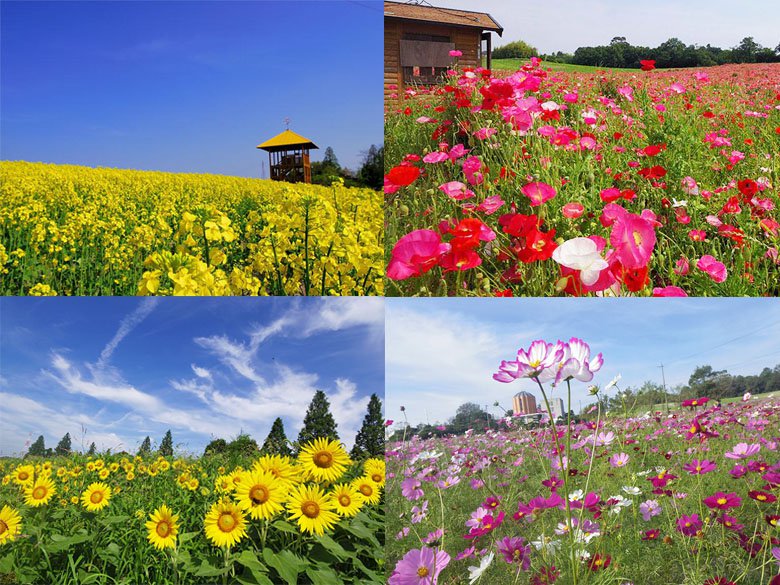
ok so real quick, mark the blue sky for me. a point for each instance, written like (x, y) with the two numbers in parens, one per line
(188, 86)
(441, 353)
(564, 25)
(124, 368)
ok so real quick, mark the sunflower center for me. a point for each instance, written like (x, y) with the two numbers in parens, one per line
(96, 497)
(24, 476)
(323, 459)
(344, 500)
(3, 527)
(310, 509)
(226, 522)
(422, 572)
(259, 495)
(163, 529)
(366, 490)
(377, 477)
(39, 493)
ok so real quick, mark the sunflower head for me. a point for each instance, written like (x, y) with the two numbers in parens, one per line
(346, 499)
(24, 474)
(324, 459)
(163, 528)
(282, 467)
(370, 491)
(10, 524)
(225, 524)
(39, 492)
(261, 494)
(96, 496)
(312, 509)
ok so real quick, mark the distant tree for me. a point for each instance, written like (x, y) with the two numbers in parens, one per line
(515, 50)
(329, 159)
(38, 448)
(166, 447)
(215, 447)
(318, 422)
(469, 416)
(63, 447)
(746, 51)
(146, 447)
(370, 440)
(276, 442)
(92, 449)
(242, 446)
(618, 41)
(371, 174)
(705, 381)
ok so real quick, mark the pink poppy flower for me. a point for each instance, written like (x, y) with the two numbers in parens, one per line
(456, 53)
(714, 269)
(681, 267)
(415, 254)
(669, 291)
(573, 210)
(456, 190)
(538, 193)
(484, 133)
(435, 157)
(633, 239)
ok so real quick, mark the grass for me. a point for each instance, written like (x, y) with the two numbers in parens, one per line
(515, 64)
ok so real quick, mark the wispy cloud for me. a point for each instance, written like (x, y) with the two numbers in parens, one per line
(126, 327)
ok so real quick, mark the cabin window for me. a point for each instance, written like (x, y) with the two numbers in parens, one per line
(425, 58)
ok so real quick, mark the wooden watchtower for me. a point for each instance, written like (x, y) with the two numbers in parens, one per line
(288, 157)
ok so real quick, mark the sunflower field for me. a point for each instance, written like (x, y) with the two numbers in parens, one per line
(70, 230)
(316, 519)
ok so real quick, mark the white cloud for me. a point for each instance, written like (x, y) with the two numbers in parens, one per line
(126, 327)
(201, 372)
(237, 356)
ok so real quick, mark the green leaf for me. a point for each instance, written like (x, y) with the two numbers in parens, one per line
(361, 531)
(248, 559)
(283, 526)
(59, 542)
(207, 570)
(7, 563)
(187, 536)
(286, 564)
(323, 577)
(335, 548)
(252, 579)
(108, 520)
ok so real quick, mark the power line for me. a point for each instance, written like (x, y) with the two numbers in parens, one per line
(725, 342)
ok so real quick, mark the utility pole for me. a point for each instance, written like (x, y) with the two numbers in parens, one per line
(666, 397)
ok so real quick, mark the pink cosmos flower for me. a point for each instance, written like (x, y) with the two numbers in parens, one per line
(415, 253)
(722, 501)
(618, 460)
(716, 270)
(456, 190)
(649, 509)
(743, 451)
(689, 525)
(538, 193)
(633, 239)
(697, 467)
(530, 364)
(419, 567)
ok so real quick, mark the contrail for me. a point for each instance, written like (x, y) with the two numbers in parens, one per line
(125, 327)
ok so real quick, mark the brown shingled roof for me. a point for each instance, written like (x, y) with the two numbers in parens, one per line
(480, 20)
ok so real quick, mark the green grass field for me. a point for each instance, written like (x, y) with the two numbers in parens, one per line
(515, 64)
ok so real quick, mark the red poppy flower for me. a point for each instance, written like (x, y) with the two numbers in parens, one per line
(403, 175)
(647, 64)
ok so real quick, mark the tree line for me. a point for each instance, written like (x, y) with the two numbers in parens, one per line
(371, 173)
(619, 53)
(318, 423)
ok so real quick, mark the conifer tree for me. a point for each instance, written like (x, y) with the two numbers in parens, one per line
(92, 449)
(166, 447)
(146, 447)
(37, 448)
(63, 447)
(319, 422)
(276, 443)
(370, 440)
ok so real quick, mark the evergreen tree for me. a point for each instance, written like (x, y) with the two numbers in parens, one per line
(370, 440)
(276, 443)
(37, 448)
(372, 173)
(63, 447)
(92, 449)
(242, 446)
(329, 159)
(146, 447)
(318, 422)
(166, 447)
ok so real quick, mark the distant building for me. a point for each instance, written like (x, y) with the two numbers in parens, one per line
(524, 403)
(556, 405)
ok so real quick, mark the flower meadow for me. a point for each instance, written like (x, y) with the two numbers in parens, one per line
(546, 183)
(315, 519)
(69, 230)
(689, 497)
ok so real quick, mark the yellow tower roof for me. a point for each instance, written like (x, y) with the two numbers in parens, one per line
(286, 139)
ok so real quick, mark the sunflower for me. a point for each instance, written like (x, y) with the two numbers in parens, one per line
(281, 466)
(104, 473)
(224, 484)
(96, 497)
(40, 492)
(312, 508)
(324, 460)
(375, 470)
(347, 500)
(162, 528)
(261, 494)
(225, 524)
(10, 524)
(24, 474)
(371, 492)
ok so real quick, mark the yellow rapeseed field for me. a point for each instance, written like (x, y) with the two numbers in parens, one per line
(71, 230)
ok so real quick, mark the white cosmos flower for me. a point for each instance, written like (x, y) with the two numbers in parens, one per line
(476, 572)
(581, 254)
(631, 490)
(613, 382)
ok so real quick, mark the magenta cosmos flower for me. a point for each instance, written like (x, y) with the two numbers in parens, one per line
(722, 501)
(415, 254)
(633, 238)
(419, 567)
(697, 467)
(515, 550)
(689, 525)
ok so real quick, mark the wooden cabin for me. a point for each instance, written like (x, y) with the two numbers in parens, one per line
(288, 157)
(419, 38)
